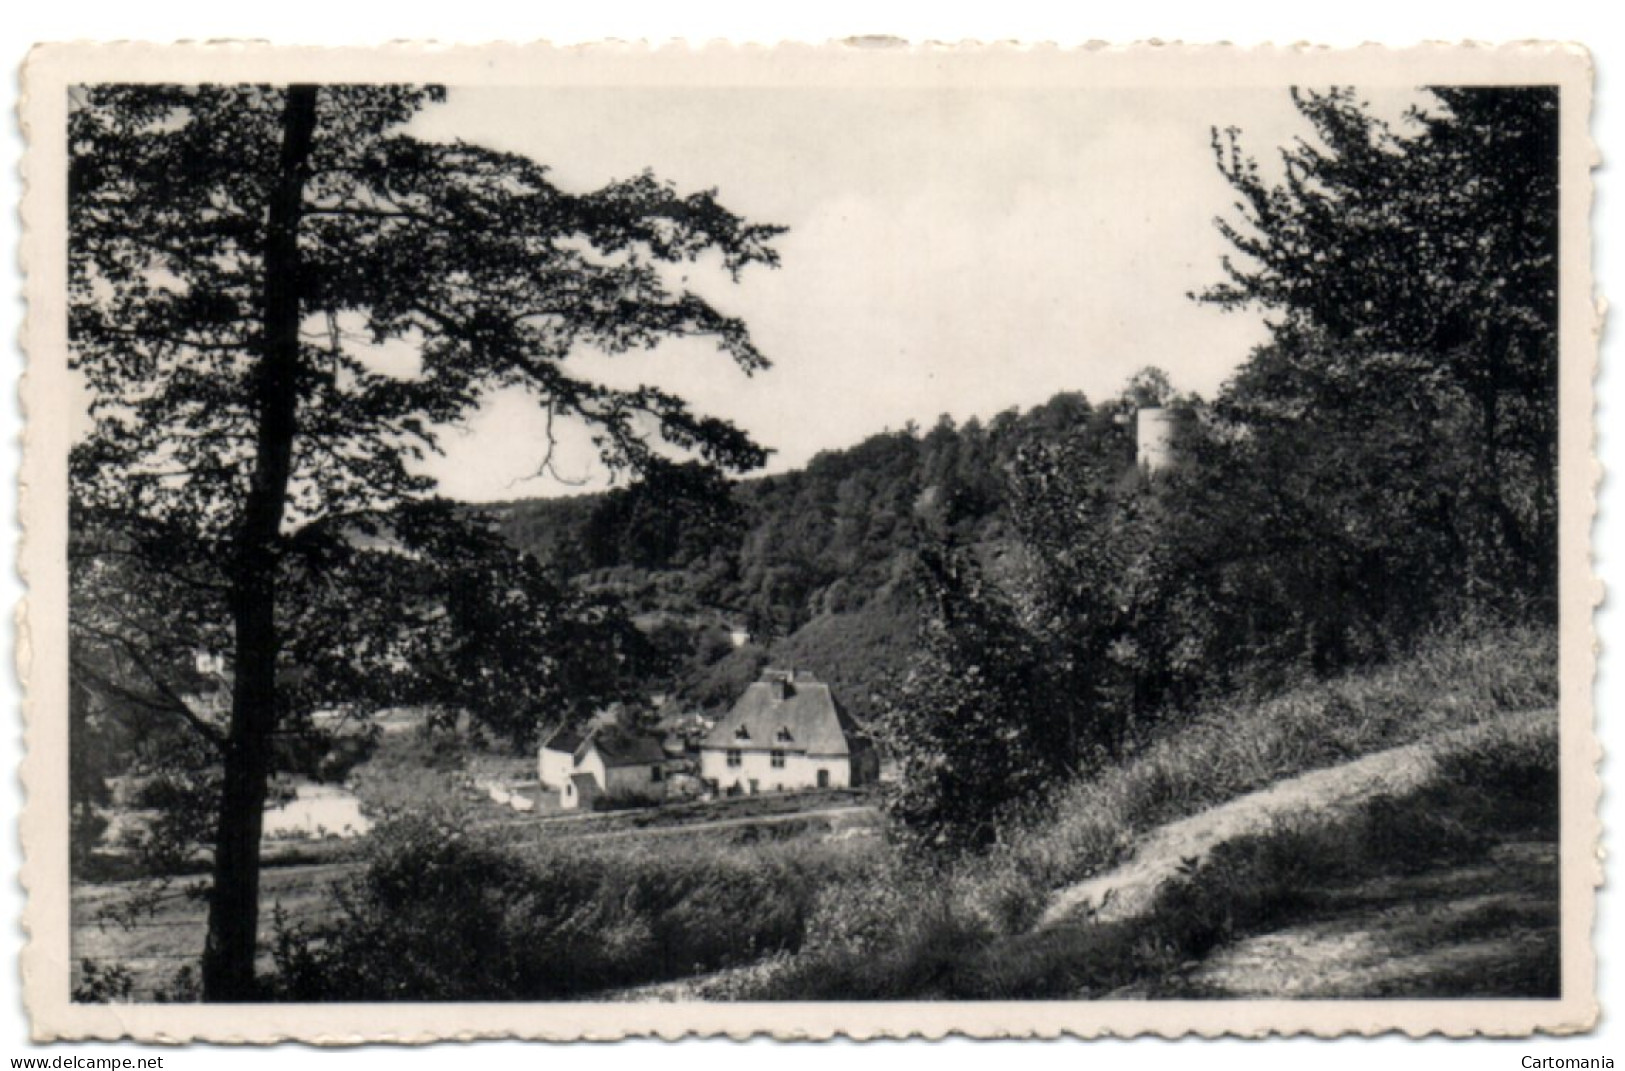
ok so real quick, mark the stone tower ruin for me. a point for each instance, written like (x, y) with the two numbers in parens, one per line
(1154, 432)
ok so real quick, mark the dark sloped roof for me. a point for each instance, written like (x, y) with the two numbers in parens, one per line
(565, 739)
(628, 749)
(798, 714)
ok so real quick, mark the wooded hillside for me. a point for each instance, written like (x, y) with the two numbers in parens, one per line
(815, 564)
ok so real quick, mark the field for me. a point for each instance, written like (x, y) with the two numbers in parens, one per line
(153, 930)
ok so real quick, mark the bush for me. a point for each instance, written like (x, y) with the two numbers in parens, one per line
(979, 726)
(921, 952)
(101, 983)
(410, 770)
(621, 800)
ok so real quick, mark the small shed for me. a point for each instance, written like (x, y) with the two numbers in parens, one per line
(620, 764)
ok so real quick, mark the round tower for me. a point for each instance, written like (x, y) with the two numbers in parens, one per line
(1154, 432)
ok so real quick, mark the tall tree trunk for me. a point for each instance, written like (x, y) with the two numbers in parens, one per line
(228, 956)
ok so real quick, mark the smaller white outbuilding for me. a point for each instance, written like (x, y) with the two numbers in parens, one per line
(557, 760)
(603, 763)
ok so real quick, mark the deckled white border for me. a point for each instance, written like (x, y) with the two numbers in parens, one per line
(42, 642)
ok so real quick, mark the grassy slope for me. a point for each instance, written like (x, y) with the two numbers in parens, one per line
(1416, 880)
(969, 934)
(1240, 746)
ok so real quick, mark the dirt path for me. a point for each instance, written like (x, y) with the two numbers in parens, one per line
(1128, 891)
(1484, 929)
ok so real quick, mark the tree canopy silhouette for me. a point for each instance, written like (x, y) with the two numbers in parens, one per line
(277, 296)
(1410, 279)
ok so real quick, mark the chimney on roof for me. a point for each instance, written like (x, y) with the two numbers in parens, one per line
(778, 681)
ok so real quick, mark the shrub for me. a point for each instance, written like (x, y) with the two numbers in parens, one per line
(410, 770)
(920, 953)
(979, 726)
(103, 983)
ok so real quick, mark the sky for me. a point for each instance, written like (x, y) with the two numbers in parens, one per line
(956, 253)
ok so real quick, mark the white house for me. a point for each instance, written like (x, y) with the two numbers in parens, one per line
(557, 759)
(786, 732)
(603, 762)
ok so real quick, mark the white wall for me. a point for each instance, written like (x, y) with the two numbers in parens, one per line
(593, 763)
(554, 768)
(613, 780)
(799, 770)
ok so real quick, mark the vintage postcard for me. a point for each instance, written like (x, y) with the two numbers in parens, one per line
(863, 539)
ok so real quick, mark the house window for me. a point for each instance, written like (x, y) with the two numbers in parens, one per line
(778, 759)
(741, 733)
(654, 773)
(735, 757)
(784, 736)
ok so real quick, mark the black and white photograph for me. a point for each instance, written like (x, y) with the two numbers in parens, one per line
(858, 528)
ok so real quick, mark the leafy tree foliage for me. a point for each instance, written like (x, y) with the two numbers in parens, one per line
(678, 515)
(247, 264)
(816, 564)
(1383, 465)
(1411, 283)
(976, 725)
(88, 790)
(1097, 586)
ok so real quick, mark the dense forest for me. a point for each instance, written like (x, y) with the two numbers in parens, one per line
(817, 565)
